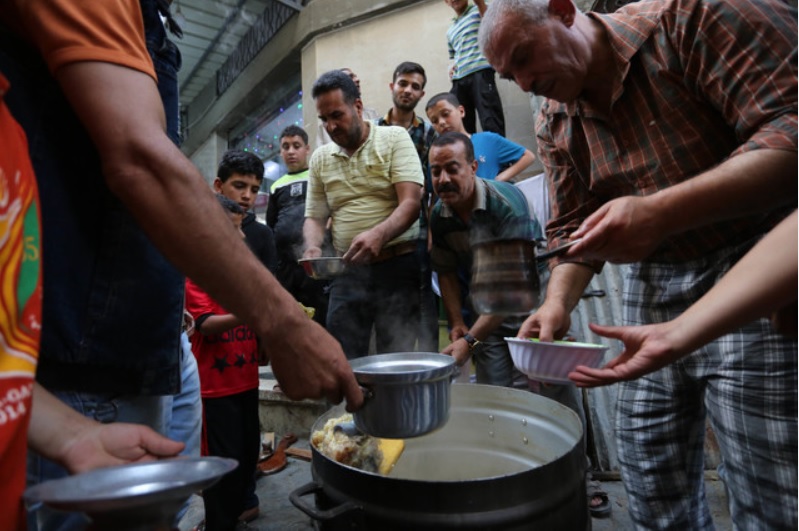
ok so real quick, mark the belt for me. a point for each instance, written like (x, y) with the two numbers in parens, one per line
(395, 250)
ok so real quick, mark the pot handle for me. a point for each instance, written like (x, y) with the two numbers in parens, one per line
(368, 394)
(312, 487)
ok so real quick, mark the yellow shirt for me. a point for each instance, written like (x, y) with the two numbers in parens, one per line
(358, 191)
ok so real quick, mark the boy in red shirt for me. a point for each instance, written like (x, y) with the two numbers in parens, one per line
(227, 354)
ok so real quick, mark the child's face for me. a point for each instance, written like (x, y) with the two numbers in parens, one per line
(295, 153)
(242, 189)
(446, 117)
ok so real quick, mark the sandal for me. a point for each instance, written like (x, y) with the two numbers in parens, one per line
(594, 491)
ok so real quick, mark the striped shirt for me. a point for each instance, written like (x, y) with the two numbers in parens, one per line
(500, 212)
(698, 82)
(358, 191)
(462, 43)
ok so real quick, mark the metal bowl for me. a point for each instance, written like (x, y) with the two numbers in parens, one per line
(134, 496)
(322, 268)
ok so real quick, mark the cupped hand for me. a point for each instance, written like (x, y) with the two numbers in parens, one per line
(624, 230)
(646, 349)
(100, 445)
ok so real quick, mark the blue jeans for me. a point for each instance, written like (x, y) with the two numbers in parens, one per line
(103, 407)
(384, 295)
(183, 412)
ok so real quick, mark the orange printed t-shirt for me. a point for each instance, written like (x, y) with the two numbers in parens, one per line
(21, 311)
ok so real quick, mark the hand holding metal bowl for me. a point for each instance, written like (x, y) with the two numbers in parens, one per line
(132, 497)
(323, 267)
(407, 393)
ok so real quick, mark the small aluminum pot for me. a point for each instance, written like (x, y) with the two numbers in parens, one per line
(407, 393)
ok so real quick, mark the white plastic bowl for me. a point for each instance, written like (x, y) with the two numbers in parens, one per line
(552, 362)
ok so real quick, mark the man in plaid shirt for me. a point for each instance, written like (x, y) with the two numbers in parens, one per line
(669, 139)
(407, 88)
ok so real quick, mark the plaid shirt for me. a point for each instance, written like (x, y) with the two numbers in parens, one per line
(500, 212)
(422, 135)
(698, 82)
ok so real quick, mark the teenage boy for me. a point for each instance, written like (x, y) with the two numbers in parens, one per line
(227, 353)
(285, 215)
(493, 151)
(407, 89)
(239, 177)
(473, 79)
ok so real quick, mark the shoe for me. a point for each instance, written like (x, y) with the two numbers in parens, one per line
(248, 515)
(593, 491)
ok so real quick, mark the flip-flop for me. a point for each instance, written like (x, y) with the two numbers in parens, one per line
(593, 490)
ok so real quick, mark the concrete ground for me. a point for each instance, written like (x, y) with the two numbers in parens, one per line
(278, 513)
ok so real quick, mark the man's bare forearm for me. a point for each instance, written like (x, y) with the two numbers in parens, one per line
(755, 181)
(567, 282)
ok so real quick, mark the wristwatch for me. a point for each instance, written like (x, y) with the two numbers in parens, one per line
(471, 340)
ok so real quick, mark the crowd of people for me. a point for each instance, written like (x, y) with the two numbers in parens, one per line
(668, 136)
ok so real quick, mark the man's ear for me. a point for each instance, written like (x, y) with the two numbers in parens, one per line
(461, 110)
(218, 185)
(474, 166)
(564, 10)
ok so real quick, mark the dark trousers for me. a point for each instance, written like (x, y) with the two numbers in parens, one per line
(384, 295)
(478, 92)
(428, 303)
(231, 429)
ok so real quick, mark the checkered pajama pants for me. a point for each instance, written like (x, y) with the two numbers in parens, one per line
(745, 383)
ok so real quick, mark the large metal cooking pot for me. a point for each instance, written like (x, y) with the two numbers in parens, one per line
(505, 276)
(407, 393)
(507, 459)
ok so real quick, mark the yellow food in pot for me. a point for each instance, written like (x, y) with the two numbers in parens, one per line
(359, 451)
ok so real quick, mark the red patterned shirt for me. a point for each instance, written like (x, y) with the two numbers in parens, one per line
(228, 361)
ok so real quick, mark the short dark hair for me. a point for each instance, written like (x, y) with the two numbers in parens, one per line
(451, 137)
(295, 130)
(229, 205)
(334, 80)
(446, 96)
(409, 67)
(241, 162)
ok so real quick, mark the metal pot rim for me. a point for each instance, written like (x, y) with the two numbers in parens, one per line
(403, 367)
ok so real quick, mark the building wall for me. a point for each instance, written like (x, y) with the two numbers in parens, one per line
(373, 48)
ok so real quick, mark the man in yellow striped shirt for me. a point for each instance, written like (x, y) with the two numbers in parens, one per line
(368, 182)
